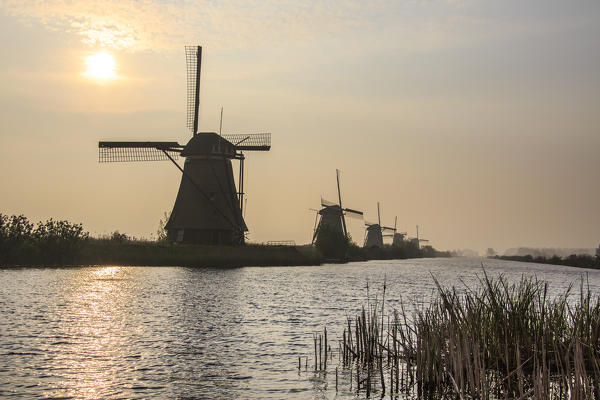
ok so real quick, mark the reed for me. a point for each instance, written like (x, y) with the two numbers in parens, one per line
(500, 341)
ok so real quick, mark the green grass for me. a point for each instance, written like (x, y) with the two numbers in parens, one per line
(107, 252)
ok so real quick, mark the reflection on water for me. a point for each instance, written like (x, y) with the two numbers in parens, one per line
(132, 332)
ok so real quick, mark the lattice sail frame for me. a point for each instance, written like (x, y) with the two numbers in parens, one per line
(254, 141)
(192, 55)
(131, 151)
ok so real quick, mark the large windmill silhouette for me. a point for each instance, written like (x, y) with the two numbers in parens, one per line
(208, 208)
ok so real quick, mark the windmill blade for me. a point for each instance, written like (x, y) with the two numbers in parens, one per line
(137, 151)
(387, 228)
(353, 213)
(193, 58)
(349, 210)
(337, 178)
(253, 142)
(327, 203)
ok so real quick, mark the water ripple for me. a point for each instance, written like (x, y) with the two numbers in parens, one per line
(137, 333)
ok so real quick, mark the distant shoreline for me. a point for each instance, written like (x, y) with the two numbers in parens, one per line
(105, 252)
(136, 253)
(574, 260)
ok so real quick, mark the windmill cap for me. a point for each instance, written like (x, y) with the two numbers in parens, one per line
(334, 209)
(208, 143)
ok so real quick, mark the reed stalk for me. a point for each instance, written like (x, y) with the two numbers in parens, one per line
(500, 341)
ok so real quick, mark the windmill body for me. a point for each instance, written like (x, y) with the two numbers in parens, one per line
(374, 236)
(398, 239)
(195, 218)
(332, 217)
(208, 208)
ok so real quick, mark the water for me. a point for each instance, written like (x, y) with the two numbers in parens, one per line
(137, 332)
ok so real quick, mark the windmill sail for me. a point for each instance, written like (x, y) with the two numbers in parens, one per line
(257, 141)
(193, 58)
(137, 151)
(353, 213)
(327, 203)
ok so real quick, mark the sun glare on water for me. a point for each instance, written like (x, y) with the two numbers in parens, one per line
(100, 66)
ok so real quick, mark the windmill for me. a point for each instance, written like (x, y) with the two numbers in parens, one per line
(374, 233)
(390, 235)
(397, 237)
(208, 208)
(333, 215)
(419, 240)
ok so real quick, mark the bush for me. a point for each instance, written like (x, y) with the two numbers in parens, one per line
(119, 237)
(50, 242)
(58, 241)
(15, 235)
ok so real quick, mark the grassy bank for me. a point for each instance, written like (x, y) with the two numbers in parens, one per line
(502, 341)
(58, 243)
(108, 252)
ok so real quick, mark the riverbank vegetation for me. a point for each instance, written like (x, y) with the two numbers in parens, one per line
(404, 250)
(52, 242)
(502, 341)
(60, 243)
(109, 252)
(574, 260)
(24, 243)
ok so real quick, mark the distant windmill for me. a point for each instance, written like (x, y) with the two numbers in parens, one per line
(208, 208)
(397, 237)
(419, 240)
(390, 235)
(374, 234)
(333, 215)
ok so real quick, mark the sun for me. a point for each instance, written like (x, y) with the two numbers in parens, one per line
(100, 66)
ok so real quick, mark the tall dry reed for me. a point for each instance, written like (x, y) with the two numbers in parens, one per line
(500, 341)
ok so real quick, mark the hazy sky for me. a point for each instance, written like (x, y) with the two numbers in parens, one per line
(477, 120)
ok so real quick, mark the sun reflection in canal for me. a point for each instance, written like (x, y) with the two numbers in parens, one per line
(96, 317)
(105, 272)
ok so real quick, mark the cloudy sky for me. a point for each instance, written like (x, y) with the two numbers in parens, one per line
(477, 120)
